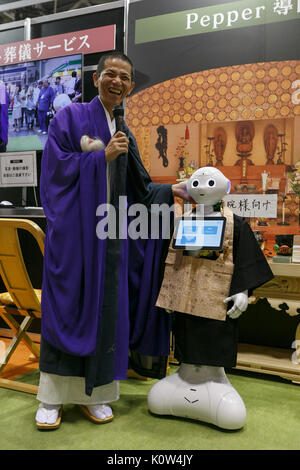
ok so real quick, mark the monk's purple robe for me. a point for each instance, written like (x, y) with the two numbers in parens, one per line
(98, 296)
(4, 123)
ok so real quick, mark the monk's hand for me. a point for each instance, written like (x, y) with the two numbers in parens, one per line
(240, 304)
(117, 145)
(179, 190)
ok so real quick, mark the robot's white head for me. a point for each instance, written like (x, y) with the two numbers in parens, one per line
(208, 186)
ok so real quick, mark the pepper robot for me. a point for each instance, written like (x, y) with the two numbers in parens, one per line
(205, 346)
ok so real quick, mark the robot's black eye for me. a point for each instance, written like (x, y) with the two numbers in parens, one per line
(211, 183)
(195, 183)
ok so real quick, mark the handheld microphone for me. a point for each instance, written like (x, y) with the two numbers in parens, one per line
(118, 167)
(118, 113)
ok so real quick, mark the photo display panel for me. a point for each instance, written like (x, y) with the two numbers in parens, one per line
(48, 84)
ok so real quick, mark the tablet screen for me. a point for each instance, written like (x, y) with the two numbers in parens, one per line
(193, 233)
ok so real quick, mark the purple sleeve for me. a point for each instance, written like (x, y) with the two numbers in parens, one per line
(4, 120)
(73, 184)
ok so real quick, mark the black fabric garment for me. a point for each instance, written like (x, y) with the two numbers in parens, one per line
(205, 341)
(141, 186)
(2, 146)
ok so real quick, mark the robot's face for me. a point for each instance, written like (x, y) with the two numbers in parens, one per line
(208, 186)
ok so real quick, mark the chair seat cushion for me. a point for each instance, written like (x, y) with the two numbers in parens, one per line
(6, 299)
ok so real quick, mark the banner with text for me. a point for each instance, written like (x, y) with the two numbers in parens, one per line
(86, 41)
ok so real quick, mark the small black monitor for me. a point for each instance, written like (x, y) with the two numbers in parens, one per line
(192, 233)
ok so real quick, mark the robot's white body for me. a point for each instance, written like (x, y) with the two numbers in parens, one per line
(203, 393)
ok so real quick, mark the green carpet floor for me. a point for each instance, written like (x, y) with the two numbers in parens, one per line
(273, 421)
(26, 142)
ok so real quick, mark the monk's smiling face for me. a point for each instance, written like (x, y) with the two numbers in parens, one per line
(114, 82)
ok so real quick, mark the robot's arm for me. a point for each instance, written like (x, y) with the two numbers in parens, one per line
(240, 304)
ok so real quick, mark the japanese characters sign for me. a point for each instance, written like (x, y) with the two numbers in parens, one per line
(82, 42)
(253, 205)
(212, 18)
(18, 169)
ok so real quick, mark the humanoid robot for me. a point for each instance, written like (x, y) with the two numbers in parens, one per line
(204, 346)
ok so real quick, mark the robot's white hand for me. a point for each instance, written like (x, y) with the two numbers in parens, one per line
(240, 304)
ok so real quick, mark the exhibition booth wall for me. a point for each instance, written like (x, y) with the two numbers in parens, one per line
(217, 83)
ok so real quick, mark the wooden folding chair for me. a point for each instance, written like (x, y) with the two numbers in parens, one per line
(21, 299)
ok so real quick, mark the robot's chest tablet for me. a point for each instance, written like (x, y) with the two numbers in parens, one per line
(192, 233)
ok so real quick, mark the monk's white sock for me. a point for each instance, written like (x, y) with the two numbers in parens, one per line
(100, 411)
(47, 413)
